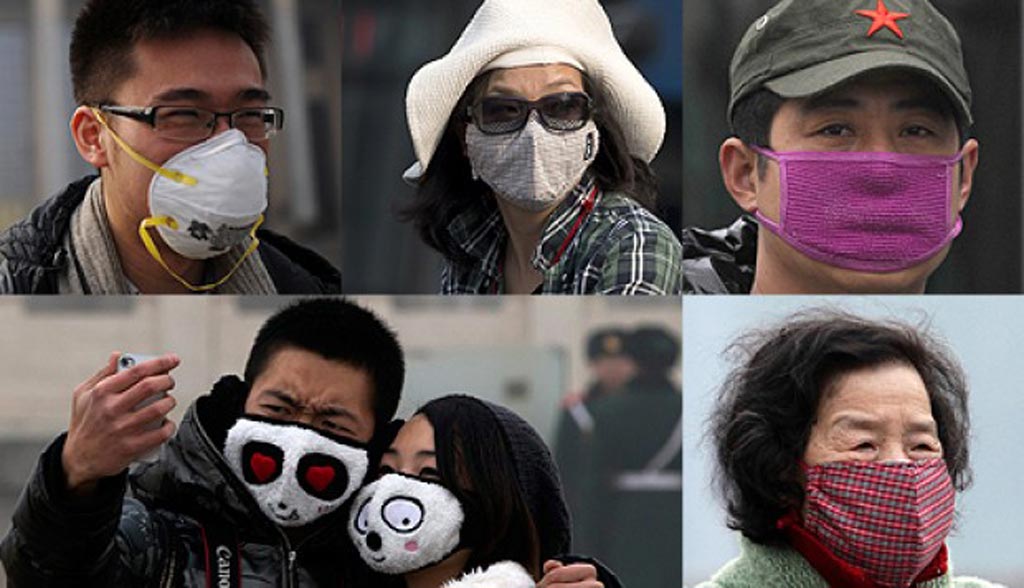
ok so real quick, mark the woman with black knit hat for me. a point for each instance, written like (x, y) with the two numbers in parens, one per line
(468, 495)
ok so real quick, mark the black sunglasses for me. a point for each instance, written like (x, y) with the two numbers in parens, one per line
(565, 111)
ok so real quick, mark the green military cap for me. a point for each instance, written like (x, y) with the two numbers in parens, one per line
(800, 48)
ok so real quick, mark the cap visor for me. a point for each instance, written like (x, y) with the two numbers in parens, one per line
(825, 76)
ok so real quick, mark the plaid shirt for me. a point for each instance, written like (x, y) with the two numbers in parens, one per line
(593, 243)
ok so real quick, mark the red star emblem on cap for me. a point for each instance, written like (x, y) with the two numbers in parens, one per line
(882, 18)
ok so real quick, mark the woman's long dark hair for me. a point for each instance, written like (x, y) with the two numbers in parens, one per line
(447, 187)
(474, 458)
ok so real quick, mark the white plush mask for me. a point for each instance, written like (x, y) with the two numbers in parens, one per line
(297, 474)
(401, 524)
(533, 168)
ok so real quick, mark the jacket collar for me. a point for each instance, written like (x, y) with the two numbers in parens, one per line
(481, 233)
(838, 572)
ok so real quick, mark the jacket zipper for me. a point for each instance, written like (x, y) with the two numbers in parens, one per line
(229, 476)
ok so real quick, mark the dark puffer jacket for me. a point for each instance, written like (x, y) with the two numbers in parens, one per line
(720, 261)
(156, 537)
(32, 253)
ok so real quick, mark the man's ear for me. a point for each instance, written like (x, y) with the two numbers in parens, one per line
(968, 164)
(738, 164)
(86, 131)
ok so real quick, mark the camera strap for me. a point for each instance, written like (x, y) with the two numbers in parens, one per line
(223, 564)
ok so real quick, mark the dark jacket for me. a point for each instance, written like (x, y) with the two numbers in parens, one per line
(32, 253)
(156, 537)
(720, 261)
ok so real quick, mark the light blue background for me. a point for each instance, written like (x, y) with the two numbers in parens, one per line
(986, 333)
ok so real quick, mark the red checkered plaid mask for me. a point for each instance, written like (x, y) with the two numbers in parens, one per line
(890, 519)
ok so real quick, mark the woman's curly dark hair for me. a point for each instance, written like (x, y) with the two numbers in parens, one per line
(762, 419)
(447, 187)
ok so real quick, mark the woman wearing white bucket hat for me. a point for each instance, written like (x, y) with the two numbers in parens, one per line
(533, 137)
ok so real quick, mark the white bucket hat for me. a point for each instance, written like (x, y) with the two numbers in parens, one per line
(510, 33)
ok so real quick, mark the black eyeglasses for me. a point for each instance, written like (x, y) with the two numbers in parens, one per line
(497, 115)
(190, 124)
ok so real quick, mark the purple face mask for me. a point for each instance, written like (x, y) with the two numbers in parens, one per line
(871, 212)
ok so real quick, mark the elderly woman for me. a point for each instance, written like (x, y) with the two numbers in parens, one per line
(533, 137)
(840, 443)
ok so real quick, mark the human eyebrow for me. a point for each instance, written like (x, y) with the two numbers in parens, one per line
(856, 422)
(281, 396)
(829, 102)
(923, 426)
(426, 453)
(182, 95)
(931, 104)
(254, 95)
(333, 410)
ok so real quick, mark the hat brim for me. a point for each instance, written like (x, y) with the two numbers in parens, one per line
(578, 27)
(826, 76)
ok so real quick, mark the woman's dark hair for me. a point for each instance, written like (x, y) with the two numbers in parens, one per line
(448, 189)
(474, 459)
(762, 420)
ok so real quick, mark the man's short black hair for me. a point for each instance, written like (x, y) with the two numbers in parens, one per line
(106, 32)
(341, 331)
(763, 417)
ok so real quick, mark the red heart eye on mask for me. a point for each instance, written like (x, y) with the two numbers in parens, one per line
(263, 467)
(320, 477)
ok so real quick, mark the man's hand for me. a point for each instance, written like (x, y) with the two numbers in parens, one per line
(578, 575)
(106, 433)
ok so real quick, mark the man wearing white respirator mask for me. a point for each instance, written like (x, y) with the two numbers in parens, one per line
(174, 113)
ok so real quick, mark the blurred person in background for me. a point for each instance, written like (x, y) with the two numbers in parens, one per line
(252, 485)
(840, 444)
(468, 495)
(174, 113)
(624, 467)
(611, 368)
(850, 156)
(533, 139)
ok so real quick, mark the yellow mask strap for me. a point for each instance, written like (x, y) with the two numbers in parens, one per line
(170, 174)
(172, 224)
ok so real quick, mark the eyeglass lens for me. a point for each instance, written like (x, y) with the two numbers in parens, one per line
(196, 123)
(558, 112)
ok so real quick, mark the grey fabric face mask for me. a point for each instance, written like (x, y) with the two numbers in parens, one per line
(534, 168)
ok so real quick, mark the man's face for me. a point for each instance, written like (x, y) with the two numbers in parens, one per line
(894, 112)
(301, 386)
(209, 69)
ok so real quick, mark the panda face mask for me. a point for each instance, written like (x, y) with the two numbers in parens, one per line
(297, 474)
(401, 524)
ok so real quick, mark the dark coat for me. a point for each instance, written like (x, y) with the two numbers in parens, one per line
(32, 253)
(156, 537)
(720, 261)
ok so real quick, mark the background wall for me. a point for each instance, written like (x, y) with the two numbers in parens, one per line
(984, 332)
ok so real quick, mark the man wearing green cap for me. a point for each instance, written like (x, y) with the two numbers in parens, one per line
(850, 152)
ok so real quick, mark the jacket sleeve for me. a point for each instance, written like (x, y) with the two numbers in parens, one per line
(58, 540)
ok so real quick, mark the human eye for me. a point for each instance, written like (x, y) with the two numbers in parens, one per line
(835, 130)
(918, 131)
(274, 408)
(864, 446)
(384, 470)
(430, 473)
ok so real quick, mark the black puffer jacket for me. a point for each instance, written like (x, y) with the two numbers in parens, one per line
(156, 537)
(720, 261)
(32, 253)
